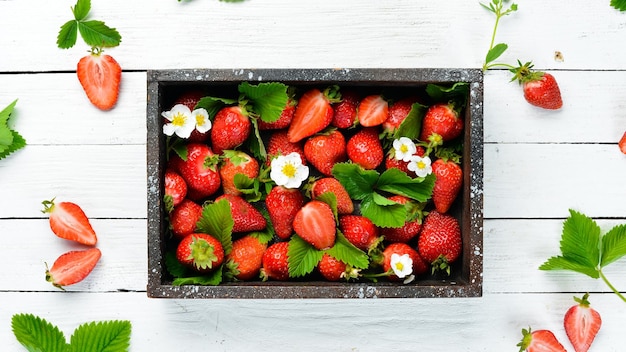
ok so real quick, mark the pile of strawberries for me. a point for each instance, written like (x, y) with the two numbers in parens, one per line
(355, 216)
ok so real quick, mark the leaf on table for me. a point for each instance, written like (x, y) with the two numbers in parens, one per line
(37, 334)
(619, 4)
(97, 34)
(113, 335)
(10, 140)
(613, 245)
(81, 10)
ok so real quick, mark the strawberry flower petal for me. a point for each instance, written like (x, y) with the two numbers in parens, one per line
(421, 166)
(404, 148)
(402, 265)
(201, 117)
(288, 171)
(180, 121)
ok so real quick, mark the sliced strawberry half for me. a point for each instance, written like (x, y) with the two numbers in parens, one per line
(373, 110)
(100, 75)
(73, 267)
(314, 112)
(68, 221)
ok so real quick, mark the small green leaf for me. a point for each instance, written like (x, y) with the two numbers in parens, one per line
(357, 181)
(563, 263)
(619, 4)
(217, 221)
(36, 334)
(613, 245)
(495, 52)
(346, 252)
(303, 257)
(97, 34)
(105, 336)
(392, 215)
(173, 266)
(268, 100)
(81, 10)
(68, 34)
(10, 140)
(213, 104)
(255, 142)
(411, 126)
(214, 278)
(397, 182)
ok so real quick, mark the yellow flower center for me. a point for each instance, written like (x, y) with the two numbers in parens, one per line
(421, 165)
(289, 170)
(404, 148)
(178, 119)
(399, 266)
(199, 120)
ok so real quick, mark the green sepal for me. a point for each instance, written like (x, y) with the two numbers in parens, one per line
(217, 221)
(37, 334)
(113, 335)
(303, 257)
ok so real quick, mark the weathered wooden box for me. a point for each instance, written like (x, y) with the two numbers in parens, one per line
(466, 279)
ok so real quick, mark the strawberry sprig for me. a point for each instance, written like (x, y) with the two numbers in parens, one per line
(494, 52)
(95, 33)
(585, 250)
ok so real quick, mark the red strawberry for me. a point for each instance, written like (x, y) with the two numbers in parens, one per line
(582, 324)
(539, 341)
(333, 269)
(313, 113)
(373, 111)
(543, 92)
(68, 221)
(448, 182)
(398, 111)
(279, 144)
(246, 217)
(440, 241)
(345, 115)
(392, 162)
(100, 76)
(200, 252)
(190, 99)
(246, 257)
(315, 223)
(443, 120)
(175, 189)
(282, 205)
(231, 127)
(419, 266)
(199, 171)
(323, 151)
(331, 184)
(411, 227)
(365, 149)
(236, 162)
(72, 267)
(360, 231)
(184, 217)
(283, 121)
(622, 143)
(276, 262)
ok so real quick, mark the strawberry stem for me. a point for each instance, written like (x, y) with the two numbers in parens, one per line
(604, 278)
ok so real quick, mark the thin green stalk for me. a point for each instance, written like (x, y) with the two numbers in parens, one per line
(611, 286)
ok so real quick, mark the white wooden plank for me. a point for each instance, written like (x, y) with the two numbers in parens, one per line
(491, 323)
(545, 180)
(54, 109)
(107, 181)
(592, 112)
(123, 265)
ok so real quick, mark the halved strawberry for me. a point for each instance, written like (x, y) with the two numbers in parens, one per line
(100, 76)
(582, 324)
(373, 110)
(315, 223)
(622, 144)
(313, 113)
(539, 341)
(68, 221)
(72, 267)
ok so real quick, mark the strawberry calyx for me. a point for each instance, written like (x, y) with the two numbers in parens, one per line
(211, 162)
(584, 301)
(95, 51)
(440, 265)
(527, 338)
(202, 253)
(524, 73)
(332, 94)
(48, 206)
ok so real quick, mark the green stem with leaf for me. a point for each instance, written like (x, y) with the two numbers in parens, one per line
(606, 281)
(497, 7)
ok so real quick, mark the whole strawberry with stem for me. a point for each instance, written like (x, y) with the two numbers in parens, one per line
(442, 119)
(539, 341)
(440, 241)
(175, 189)
(345, 115)
(231, 127)
(199, 170)
(236, 162)
(364, 148)
(540, 88)
(582, 324)
(324, 150)
(448, 181)
(184, 217)
(282, 206)
(245, 259)
(201, 252)
(360, 231)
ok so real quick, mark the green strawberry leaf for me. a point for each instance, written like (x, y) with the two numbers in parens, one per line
(357, 181)
(255, 142)
(113, 335)
(456, 93)
(6, 137)
(97, 34)
(249, 187)
(213, 105)
(412, 124)
(81, 10)
(173, 266)
(214, 278)
(398, 182)
(267, 100)
(382, 212)
(303, 257)
(267, 235)
(37, 334)
(6, 113)
(10, 140)
(495, 52)
(331, 199)
(346, 252)
(217, 221)
(68, 34)
(613, 245)
(619, 4)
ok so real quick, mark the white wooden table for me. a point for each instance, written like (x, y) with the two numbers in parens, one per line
(537, 165)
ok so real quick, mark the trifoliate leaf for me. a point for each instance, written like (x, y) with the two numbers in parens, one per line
(217, 221)
(81, 10)
(97, 34)
(411, 126)
(109, 336)
(613, 245)
(303, 257)
(395, 181)
(36, 334)
(356, 180)
(495, 52)
(390, 215)
(267, 100)
(619, 4)
(214, 278)
(346, 252)
(68, 34)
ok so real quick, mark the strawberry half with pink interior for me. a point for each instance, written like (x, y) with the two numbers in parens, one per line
(100, 76)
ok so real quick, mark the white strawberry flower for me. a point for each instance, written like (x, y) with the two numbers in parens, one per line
(180, 120)
(288, 170)
(402, 265)
(201, 117)
(420, 165)
(404, 148)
